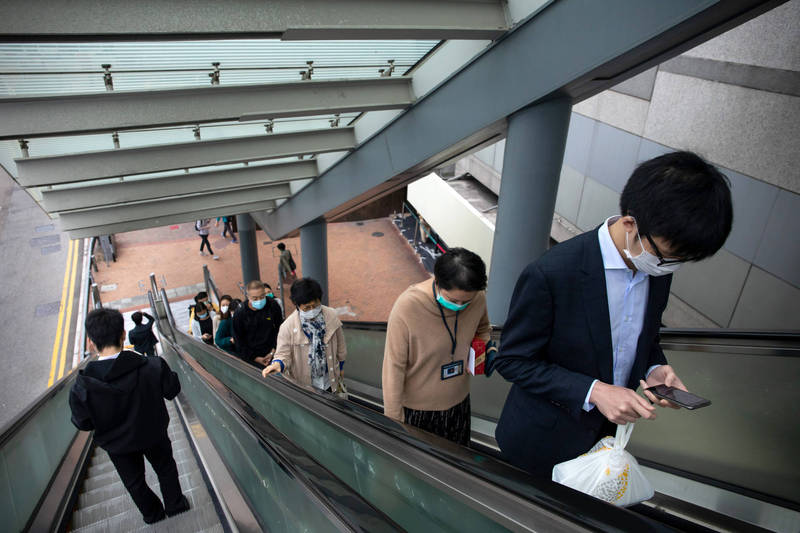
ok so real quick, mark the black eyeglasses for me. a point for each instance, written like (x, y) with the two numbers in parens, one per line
(661, 260)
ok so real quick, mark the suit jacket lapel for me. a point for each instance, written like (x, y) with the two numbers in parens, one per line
(596, 304)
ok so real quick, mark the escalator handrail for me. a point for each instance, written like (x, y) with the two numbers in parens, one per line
(13, 426)
(315, 479)
(428, 454)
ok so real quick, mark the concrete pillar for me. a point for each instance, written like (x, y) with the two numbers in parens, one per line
(532, 163)
(314, 248)
(248, 248)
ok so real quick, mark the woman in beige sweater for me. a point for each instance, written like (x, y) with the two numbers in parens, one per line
(311, 349)
(428, 338)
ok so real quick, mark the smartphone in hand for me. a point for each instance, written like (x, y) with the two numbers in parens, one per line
(680, 397)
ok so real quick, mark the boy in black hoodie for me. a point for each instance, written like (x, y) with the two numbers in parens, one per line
(121, 397)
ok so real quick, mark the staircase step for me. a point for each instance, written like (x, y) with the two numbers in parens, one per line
(119, 504)
(188, 481)
(110, 476)
(201, 517)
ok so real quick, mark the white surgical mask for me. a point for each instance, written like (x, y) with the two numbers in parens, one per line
(223, 308)
(647, 262)
(310, 315)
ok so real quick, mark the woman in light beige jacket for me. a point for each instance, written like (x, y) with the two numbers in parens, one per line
(311, 349)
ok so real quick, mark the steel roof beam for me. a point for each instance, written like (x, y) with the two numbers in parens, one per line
(50, 170)
(47, 116)
(100, 216)
(116, 20)
(157, 188)
(172, 218)
(573, 47)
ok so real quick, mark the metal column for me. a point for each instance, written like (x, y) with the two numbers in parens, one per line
(248, 248)
(314, 249)
(532, 162)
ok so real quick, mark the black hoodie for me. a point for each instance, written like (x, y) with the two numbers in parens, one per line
(122, 400)
(255, 331)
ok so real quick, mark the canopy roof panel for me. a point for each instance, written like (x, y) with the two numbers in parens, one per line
(76, 68)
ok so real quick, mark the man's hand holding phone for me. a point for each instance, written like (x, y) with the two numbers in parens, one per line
(663, 375)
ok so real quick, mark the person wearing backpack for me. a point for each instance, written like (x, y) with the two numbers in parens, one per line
(201, 227)
(286, 265)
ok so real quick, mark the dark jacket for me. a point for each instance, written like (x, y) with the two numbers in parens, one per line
(556, 341)
(142, 337)
(122, 400)
(224, 336)
(256, 331)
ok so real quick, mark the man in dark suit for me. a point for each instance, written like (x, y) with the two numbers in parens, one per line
(121, 397)
(142, 336)
(582, 331)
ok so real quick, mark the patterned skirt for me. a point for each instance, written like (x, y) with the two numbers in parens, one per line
(452, 424)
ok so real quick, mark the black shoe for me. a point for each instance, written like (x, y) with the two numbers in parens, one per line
(158, 518)
(181, 508)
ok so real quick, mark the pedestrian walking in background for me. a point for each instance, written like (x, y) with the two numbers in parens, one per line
(202, 227)
(142, 336)
(120, 396)
(286, 265)
(227, 227)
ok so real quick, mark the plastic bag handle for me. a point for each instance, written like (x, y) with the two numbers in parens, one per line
(623, 435)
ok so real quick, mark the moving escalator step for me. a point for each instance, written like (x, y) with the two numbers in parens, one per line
(200, 518)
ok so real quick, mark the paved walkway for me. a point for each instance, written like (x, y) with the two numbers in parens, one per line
(369, 265)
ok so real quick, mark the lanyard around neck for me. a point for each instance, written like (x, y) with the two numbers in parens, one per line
(453, 335)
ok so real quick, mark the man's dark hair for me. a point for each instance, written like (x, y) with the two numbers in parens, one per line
(200, 296)
(105, 327)
(255, 284)
(682, 199)
(281, 246)
(305, 290)
(460, 269)
(137, 318)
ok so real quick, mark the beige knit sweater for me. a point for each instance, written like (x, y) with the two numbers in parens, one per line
(417, 345)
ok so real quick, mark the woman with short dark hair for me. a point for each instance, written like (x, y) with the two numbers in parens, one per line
(311, 348)
(428, 340)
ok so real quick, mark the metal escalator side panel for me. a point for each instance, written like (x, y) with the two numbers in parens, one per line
(286, 489)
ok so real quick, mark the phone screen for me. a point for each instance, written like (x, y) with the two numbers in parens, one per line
(682, 398)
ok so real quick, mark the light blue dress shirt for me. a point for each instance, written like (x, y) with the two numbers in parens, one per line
(627, 300)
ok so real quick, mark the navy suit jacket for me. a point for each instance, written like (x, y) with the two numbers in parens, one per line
(555, 342)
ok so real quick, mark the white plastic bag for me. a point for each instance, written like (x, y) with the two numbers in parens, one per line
(607, 472)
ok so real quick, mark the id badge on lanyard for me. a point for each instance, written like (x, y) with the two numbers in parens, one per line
(451, 370)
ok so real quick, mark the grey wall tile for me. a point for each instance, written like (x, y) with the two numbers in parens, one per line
(753, 132)
(767, 303)
(598, 202)
(649, 149)
(613, 156)
(640, 86)
(713, 285)
(752, 204)
(500, 152)
(570, 187)
(779, 252)
(579, 142)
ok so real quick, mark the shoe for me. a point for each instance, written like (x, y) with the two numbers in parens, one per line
(202, 252)
(158, 518)
(181, 508)
(216, 258)
(234, 241)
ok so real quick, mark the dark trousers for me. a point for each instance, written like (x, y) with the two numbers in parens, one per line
(130, 467)
(453, 424)
(204, 242)
(228, 228)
